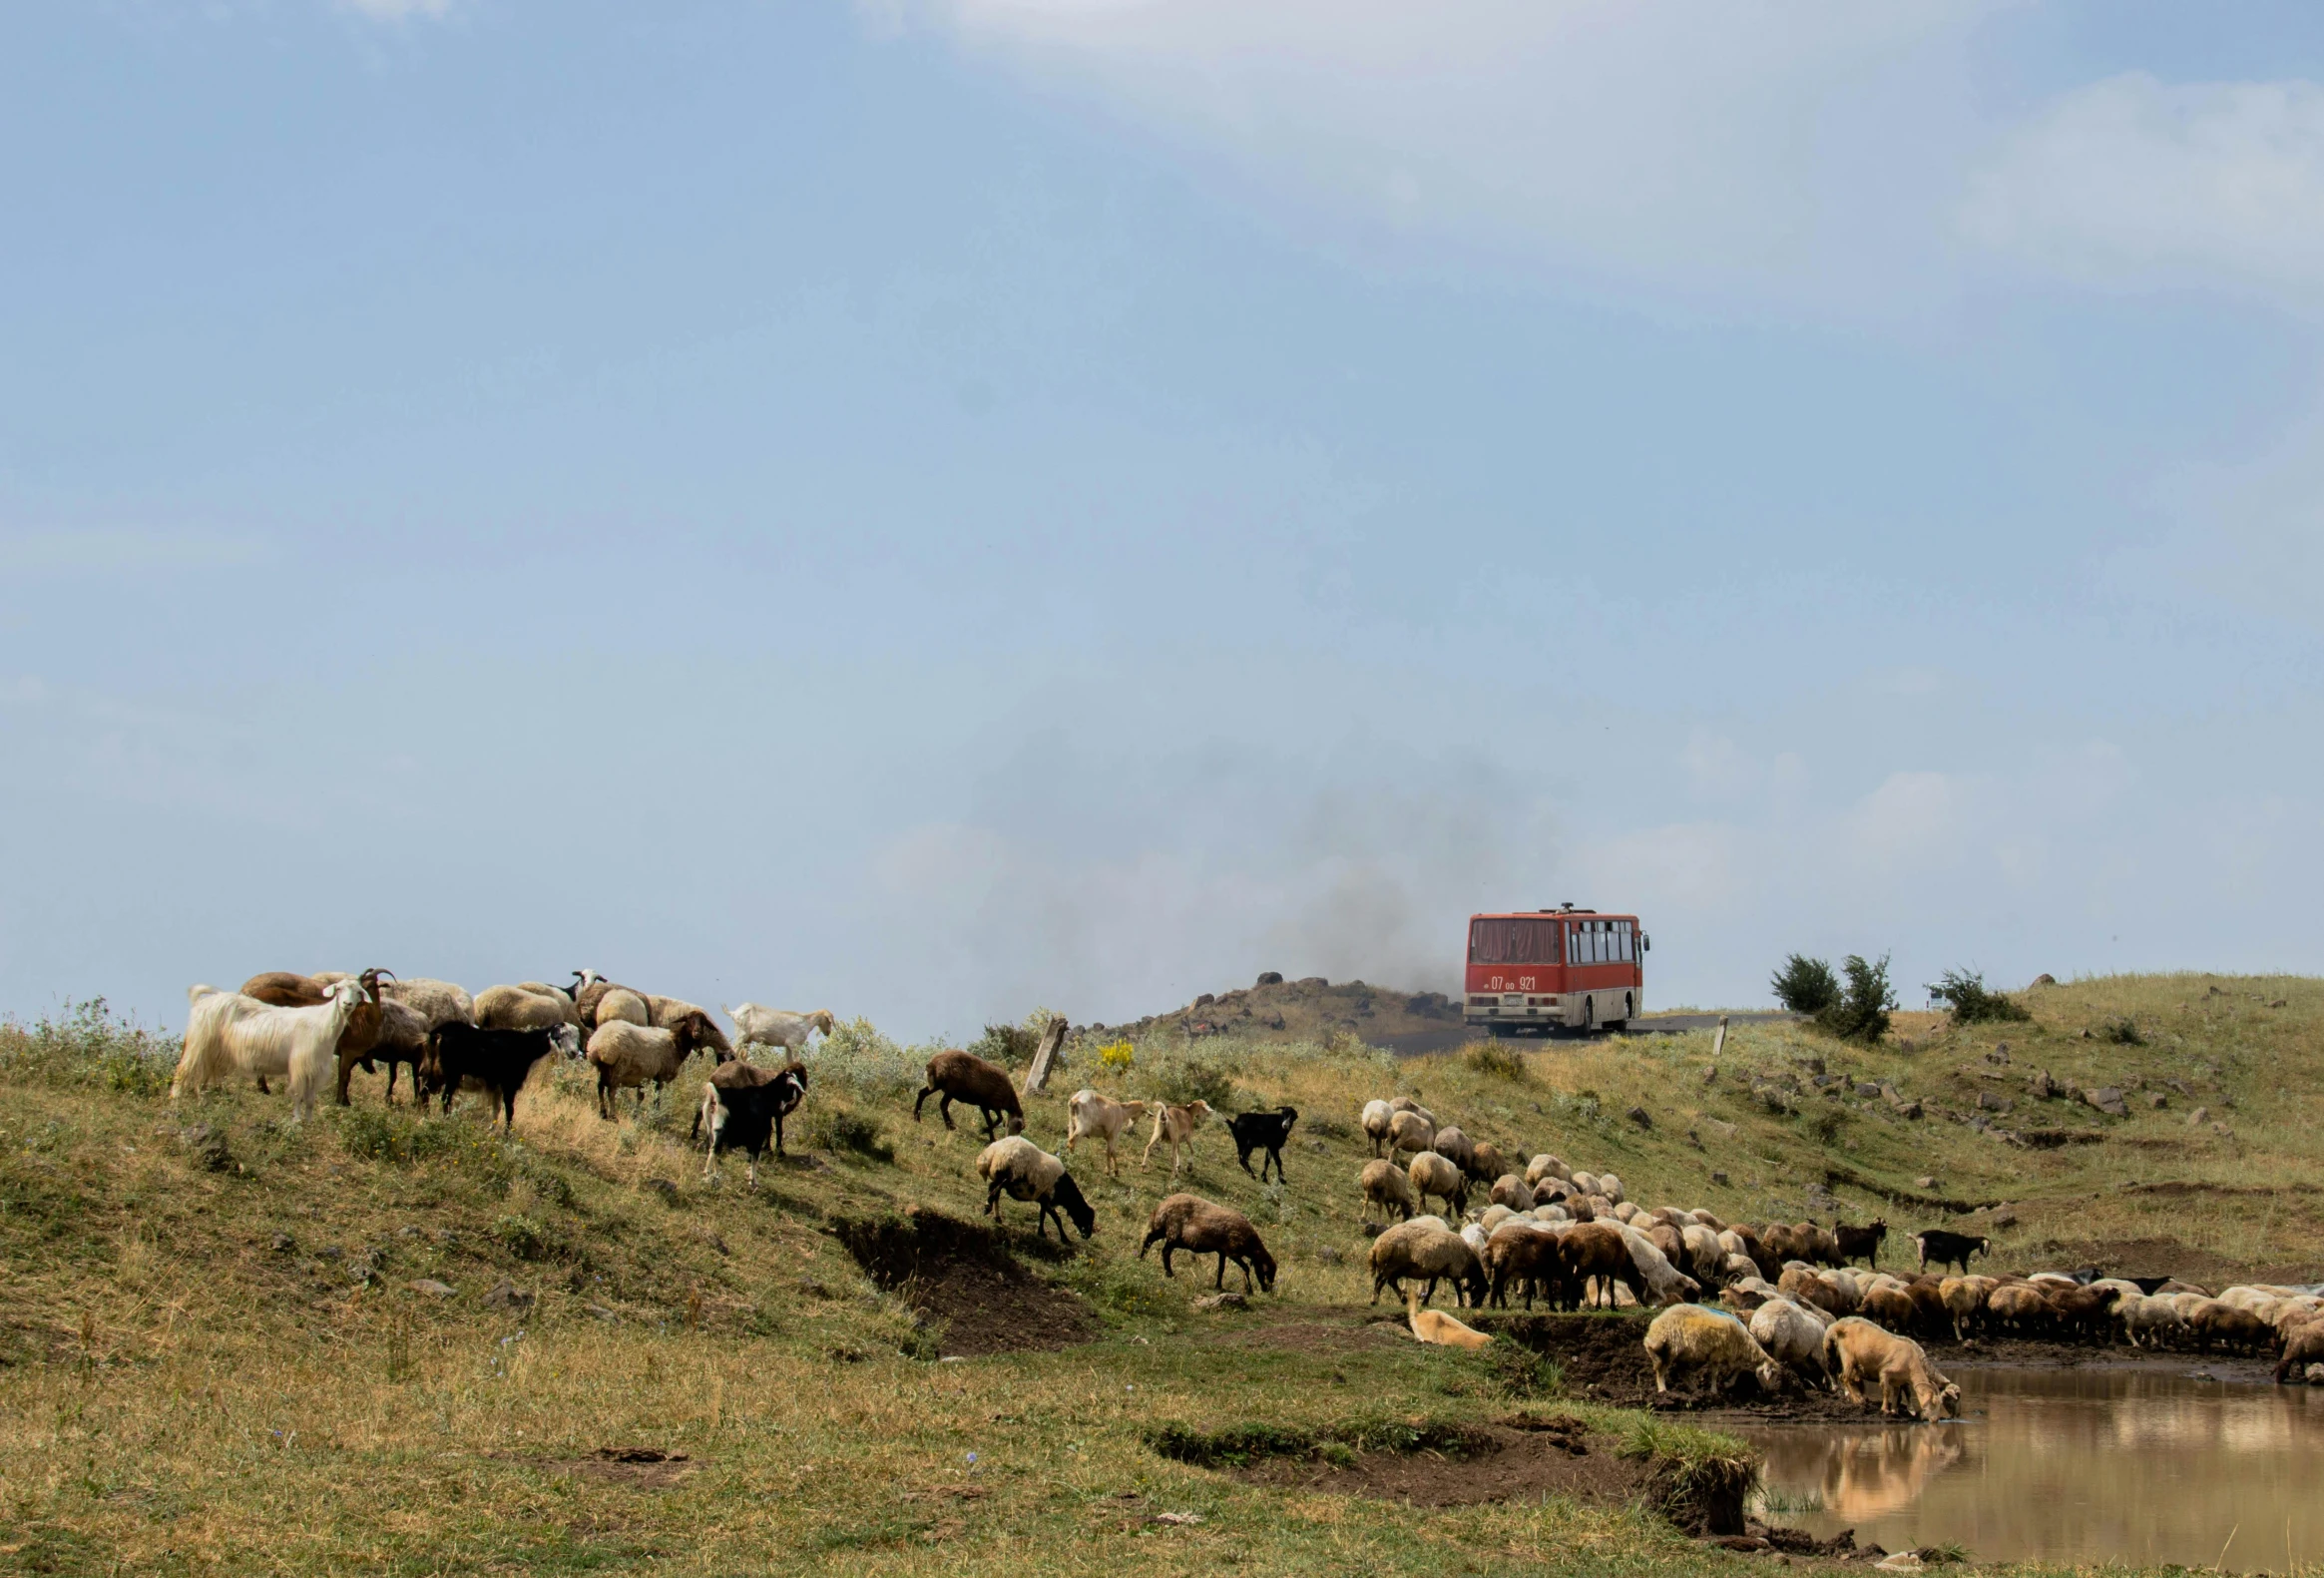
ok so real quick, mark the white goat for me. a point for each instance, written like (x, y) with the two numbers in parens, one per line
(1090, 1116)
(226, 1033)
(777, 1027)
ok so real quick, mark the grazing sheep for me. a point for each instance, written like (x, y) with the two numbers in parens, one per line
(1433, 1173)
(1510, 1191)
(1199, 1226)
(1887, 1307)
(2019, 1308)
(1434, 1325)
(438, 1002)
(1493, 1216)
(288, 989)
(2212, 1321)
(1385, 1184)
(1262, 1131)
(1856, 1351)
(1486, 1162)
(589, 990)
(1410, 1131)
(1706, 1258)
(1377, 1117)
(623, 1006)
(1454, 1146)
(1015, 1166)
(1426, 1252)
(1863, 1242)
(497, 1062)
(1800, 1283)
(1610, 1187)
(1665, 1282)
(628, 1056)
(1090, 1116)
(743, 1106)
(1529, 1254)
(226, 1032)
(2150, 1320)
(515, 1008)
(1174, 1124)
(665, 1012)
(1794, 1337)
(963, 1076)
(1600, 1252)
(1947, 1248)
(777, 1027)
(2303, 1345)
(1695, 1341)
(1585, 1182)
(1546, 1166)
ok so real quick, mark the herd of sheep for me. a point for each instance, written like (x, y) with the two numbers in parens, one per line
(1791, 1308)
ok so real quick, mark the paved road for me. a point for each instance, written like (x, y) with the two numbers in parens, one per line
(1419, 1043)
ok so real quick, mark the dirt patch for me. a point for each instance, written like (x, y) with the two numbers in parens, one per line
(967, 1280)
(640, 1467)
(1357, 1333)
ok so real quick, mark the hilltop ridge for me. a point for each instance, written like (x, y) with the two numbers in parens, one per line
(1273, 1010)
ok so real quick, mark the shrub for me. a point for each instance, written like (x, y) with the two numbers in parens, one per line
(1117, 1057)
(1183, 1080)
(1805, 985)
(1007, 1045)
(2123, 1033)
(1966, 993)
(1500, 1062)
(1861, 1014)
(836, 1129)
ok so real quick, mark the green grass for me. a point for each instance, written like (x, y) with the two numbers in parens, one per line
(211, 1358)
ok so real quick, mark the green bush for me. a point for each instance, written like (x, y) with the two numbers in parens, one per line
(88, 1046)
(1498, 1061)
(1965, 992)
(1805, 985)
(1182, 1080)
(836, 1129)
(1861, 1014)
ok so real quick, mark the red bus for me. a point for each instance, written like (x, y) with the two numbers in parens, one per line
(1531, 970)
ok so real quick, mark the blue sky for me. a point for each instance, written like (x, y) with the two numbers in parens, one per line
(932, 506)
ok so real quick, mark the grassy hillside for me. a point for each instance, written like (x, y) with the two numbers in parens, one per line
(222, 1343)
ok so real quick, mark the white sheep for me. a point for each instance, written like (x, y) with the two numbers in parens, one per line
(779, 1027)
(226, 1032)
(1426, 1251)
(1454, 1146)
(628, 1055)
(1546, 1166)
(1016, 1167)
(1664, 1281)
(1090, 1116)
(1692, 1340)
(438, 1002)
(1510, 1191)
(521, 1008)
(1384, 1185)
(1434, 1174)
(1376, 1119)
(1794, 1336)
(1410, 1131)
(623, 1006)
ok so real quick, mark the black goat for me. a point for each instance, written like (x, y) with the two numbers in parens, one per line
(1262, 1131)
(745, 1106)
(1947, 1248)
(1861, 1243)
(496, 1060)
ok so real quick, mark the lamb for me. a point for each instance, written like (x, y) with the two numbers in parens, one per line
(1949, 1249)
(1856, 1351)
(963, 1076)
(1377, 1116)
(745, 1106)
(1426, 1252)
(1794, 1337)
(1434, 1325)
(1695, 1341)
(777, 1027)
(1410, 1131)
(628, 1056)
(497, 1060)
(1434, 1174)
(1176, 1125)
(1090, 1116)
(1861, 1243)
(1262, 1131)
(1015, 1166)
(1198, 1226)
(1385, 1184)
(225, 1031)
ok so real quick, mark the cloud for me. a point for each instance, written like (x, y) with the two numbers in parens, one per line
(2133, 184)
(1699, 142)
(115, 549)
(1911, 820)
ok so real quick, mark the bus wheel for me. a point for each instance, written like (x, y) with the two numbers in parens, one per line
(1590, 1014)
(1629, 1007)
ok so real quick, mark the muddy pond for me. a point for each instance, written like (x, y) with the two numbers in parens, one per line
(2126, 1463)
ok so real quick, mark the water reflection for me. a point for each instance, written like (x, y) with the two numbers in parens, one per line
(2075, 1466)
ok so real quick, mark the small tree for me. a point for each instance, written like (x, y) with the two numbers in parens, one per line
(1805, 985)
(1861, 1014)
(1966, 993)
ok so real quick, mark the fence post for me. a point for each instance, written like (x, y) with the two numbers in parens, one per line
(1043, 1055)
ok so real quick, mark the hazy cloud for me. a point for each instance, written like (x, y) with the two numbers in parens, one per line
(106, 548)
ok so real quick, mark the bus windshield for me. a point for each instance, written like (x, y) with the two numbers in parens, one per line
(1514, 943)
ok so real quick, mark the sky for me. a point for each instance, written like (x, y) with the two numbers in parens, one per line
(931, 507)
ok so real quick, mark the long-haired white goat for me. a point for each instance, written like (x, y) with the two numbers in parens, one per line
(776, 1027)
(228, 1033)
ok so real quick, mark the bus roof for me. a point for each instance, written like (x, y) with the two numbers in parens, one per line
(1552, 915)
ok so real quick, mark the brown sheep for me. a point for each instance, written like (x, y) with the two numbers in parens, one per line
(1856, 1351)
(1526, 1252)
(1198, 1226)
(1598, 1250)
(2019, 1308)
(1964, 1298)
(1486, 1162)
(2212, 1321)
(1385, 1184)
(1891, 1308)
(2303, 1345)
(963, 1076)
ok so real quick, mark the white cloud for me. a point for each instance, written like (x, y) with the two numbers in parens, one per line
(1911, 820)
(1698, 142)
(2134, 183)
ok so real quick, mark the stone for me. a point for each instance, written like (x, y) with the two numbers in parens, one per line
(2159, 1100)
(1639, 1116)
(1867, 1090)
(1987, 1101)
(2006, 1217)
(1719, 1179)
(284, 1243)
(1327, 1256)
(601, 1312)
(2199, 1117)
(2042, 1087)
(508, 1295)
(1925, 1183)
(1270, 978)
(665, 1188)
(1223, 1302)
(2222, 1131)
(1316, 981)
(2043, 979)
(208, 1147)
(432, 1288)
(1999, 1053)
(2107, 1099)
(1205, 1001)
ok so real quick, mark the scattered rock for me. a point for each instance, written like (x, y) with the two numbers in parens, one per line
(2159, 1100)
(1311, 980)
(2006, 1217)
(1711, 1075)
(2043, 979)
(1720, 1179)
(2279, 1002)
(209, 1146)
(1999, 1053)
(1317, 1145)
(432, 1288)
(1270, 978)
(508, 1295)
(665, 1188)
(2042, 1087)
(2224, 1130)
(1223, 1302)
(1866, 1089)
(1205, 1001)
(331, 1252)
(2199, 1117)
(2107, 1099)
(284, 1243)
(1327, 1256)
(1371, 1229)
(1925, 1183)
(601, 1312)
(1639, 1116)
(1987, 1101)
